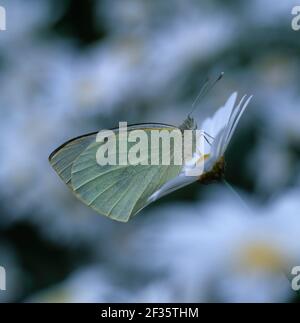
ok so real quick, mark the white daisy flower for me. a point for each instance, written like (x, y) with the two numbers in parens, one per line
(207, 163)
(219, 129)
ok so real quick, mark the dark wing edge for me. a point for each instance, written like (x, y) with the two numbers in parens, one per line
(54, 152)
(64, 156)
(96, 132)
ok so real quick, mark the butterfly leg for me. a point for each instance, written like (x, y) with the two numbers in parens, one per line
(206, 136)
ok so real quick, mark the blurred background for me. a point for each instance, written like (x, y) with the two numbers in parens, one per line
(69, 67)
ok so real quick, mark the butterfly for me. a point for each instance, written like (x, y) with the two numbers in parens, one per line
(121, 191)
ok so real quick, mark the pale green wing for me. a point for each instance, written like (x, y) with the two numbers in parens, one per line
(118, 192)
(64, 156)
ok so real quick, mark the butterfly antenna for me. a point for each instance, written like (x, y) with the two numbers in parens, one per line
(205, 88)
(237, 195)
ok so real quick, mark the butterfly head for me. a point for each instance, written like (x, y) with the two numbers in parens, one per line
(188, 124)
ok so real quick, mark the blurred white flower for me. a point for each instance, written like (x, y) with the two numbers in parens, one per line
(275, 162)
(202, 250)
(105, 77)
(281, 114)
(88, 285)
(165, 46)
(37, 111)
(268, 13)
(23, 21)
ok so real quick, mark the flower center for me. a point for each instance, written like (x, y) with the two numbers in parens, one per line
(261, 256)
(215, 174)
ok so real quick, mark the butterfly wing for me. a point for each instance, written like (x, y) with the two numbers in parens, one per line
(119, 191)
(64, 156)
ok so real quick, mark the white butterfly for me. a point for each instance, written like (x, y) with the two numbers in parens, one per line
(121, 191)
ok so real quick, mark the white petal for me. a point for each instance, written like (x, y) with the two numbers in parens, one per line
(234, 114)
(222, 126)
(221, 117)
(236, 121)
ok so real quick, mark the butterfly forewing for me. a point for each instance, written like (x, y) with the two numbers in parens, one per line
(63, 157)
(119, 191)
